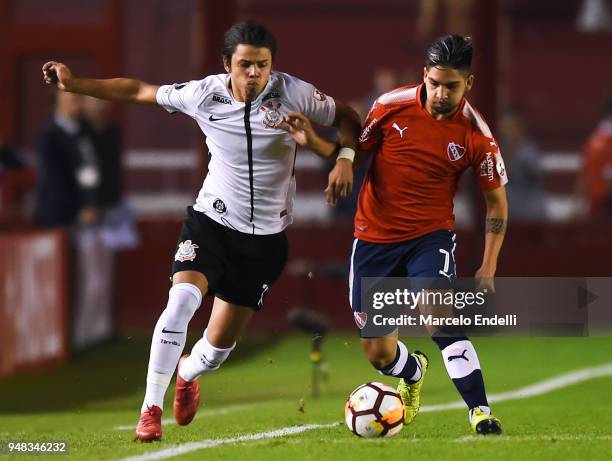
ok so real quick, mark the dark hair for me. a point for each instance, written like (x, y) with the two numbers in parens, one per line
(452, 51)
(247, 33)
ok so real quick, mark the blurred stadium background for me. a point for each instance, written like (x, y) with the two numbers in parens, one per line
(542, 70)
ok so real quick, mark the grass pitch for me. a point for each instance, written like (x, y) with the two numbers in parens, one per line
(265, 386)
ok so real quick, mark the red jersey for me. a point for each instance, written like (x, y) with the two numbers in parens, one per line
(411, 183)
(598, 162)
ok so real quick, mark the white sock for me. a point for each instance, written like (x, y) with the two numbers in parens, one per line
(405, 365)
(460, 359)
(169, 340)
(204, 358)
(419, 371)
(485, 410)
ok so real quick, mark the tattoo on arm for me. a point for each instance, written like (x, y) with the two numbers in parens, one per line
(495, 225)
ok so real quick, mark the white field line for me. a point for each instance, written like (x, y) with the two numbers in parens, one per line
(209, 443)
(539, 388)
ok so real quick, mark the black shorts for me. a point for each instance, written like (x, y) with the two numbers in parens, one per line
(240, 267)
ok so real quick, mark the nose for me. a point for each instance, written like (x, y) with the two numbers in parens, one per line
(442, 93)
(254, 71)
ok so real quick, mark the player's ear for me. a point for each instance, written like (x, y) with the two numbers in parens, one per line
(226, 64)
(469, 81)
(424, 73)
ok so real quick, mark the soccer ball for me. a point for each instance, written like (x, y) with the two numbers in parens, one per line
(374, 410)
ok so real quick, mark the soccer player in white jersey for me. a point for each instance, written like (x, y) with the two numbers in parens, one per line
(232, 244)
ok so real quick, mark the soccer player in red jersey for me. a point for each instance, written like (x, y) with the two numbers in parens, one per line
(596, 177)
(422, 138)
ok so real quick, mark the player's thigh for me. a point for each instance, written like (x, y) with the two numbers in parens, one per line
(256, 262)
(433, 256)
(193, 277)
(227, 322)
(433, 304)
(369, 263)
(432, 270)
(381, 351)
(201, 252)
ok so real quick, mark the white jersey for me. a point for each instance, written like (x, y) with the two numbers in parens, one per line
(250, 183)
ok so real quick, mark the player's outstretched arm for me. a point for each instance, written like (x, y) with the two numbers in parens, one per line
(114, 89)
(495, 229)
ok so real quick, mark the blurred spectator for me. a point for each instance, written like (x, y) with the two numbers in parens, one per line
(523, 160)
(9, 158)
(16, 183)
(106, 138)
(69, 195)
(594, 16)
(456, 15)
(383, 81)
(596, 181)
(118, 230)
(68, 173)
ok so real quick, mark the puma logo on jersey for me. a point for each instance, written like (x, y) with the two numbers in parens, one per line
(401, 130)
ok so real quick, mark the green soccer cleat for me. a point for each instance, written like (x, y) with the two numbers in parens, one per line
(483, 423)
(411, 392)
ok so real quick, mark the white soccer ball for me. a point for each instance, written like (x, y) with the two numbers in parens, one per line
(374, 410)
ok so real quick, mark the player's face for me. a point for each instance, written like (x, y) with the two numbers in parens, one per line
(446, 87)
(249, 71)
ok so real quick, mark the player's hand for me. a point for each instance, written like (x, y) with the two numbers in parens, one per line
(485, 280)
(340, 182)
(56, 73)
(299, 127)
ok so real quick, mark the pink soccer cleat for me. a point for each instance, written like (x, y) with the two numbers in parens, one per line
(149, 425)
(186, 398)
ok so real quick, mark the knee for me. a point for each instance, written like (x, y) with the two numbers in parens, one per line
(194, 278)
(444, 338)
(184, 299)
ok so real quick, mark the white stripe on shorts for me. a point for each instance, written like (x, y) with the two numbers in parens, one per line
(351, 273)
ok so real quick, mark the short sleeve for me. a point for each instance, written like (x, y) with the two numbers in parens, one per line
(314, 104)
(181, 97)
(371, 133)
(488, 164)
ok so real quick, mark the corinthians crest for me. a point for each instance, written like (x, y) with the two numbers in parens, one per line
(186, 251)
(273, 117)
